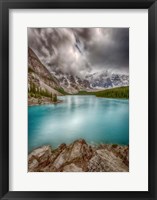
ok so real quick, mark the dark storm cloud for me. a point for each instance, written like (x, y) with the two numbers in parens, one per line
(111, 50)
(81, 50)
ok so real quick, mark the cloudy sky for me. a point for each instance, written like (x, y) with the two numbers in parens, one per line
(81, 50)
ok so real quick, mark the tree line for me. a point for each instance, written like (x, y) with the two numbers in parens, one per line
(38, 92)
(120, 92)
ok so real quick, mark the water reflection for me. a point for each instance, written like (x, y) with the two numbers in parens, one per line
(98, 120)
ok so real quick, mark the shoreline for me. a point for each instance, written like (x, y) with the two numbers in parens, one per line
(94, 145)
(44, 102)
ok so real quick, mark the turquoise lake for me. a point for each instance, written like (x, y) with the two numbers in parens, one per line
(97, 120)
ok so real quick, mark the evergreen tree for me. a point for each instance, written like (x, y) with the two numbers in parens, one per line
(55, 98)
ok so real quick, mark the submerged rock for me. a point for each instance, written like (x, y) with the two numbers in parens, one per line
(79, 157)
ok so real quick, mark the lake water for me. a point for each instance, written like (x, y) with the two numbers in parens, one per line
(97, 120)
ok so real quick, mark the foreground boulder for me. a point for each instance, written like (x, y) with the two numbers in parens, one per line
(79, 157)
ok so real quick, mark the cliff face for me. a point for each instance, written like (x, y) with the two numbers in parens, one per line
(79, 157)
(40, 76)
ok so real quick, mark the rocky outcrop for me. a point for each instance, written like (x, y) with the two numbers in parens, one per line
(43, 100)
(79, 157)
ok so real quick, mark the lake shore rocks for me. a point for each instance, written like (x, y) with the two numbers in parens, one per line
(41, 101)
(80, 157)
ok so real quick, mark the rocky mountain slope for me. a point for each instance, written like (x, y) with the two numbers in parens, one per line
(79, 157)
(39, 75)
(71, 83)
